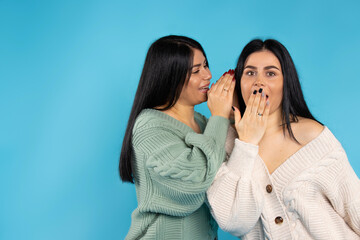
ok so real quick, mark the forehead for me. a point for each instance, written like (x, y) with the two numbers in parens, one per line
(198, 56)
(262, 59)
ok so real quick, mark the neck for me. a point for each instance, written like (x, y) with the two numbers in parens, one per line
(274, 123)
(183, 113)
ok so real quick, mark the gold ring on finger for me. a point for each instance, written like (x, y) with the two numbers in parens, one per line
(226, 90)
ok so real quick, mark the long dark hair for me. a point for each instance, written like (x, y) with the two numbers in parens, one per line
(166, 69)
(293, 102)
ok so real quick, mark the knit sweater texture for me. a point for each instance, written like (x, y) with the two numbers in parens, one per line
(314, 194)
(173, 167)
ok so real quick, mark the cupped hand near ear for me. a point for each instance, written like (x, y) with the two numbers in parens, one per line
(220, 95)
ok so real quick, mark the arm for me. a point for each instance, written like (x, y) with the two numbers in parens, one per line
(229, 144)
(343, 190)
(235, 199)
(181, 170)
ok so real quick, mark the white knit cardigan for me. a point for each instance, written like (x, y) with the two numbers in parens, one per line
(314, 194)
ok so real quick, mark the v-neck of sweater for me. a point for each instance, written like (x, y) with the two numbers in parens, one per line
(303, 158)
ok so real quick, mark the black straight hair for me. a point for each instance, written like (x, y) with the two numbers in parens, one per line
(166, 70)
(293, 102)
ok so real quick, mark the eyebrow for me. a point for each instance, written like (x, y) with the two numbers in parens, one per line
(266, 68)
(269, 67)
(198, 65)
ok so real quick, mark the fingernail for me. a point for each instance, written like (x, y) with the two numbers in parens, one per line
(262, 94)
(267, 102)
(255, 91)
(260, 90)
(233, 78)
(233, 108)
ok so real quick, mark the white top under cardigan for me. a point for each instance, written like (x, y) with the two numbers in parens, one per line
(314, 194)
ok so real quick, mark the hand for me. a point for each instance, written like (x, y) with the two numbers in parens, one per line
(251, 127)
(220, 95)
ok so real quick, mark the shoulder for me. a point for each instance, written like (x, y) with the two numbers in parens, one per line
(305, 130)
(149, 122)
(148, 118)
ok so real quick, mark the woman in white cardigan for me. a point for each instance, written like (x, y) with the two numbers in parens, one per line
(287, 176)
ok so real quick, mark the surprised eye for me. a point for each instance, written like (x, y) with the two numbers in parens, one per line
(250, 73)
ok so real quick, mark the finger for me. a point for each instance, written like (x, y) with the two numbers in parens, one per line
(217, 83)
(267, 110)
(211, 88)
(220, 87)
(232, 88)
(237, 115)
(262, 104)
(250, 103)
(255, 105)
(227, 84)
(214, 86)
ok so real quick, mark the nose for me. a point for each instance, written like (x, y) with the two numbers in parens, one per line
(207, 74)
(259, 82)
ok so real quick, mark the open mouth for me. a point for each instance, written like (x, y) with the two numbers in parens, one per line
(204, 89)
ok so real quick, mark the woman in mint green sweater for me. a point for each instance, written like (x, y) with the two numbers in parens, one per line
(170, 152)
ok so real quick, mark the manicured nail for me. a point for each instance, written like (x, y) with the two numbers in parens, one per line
(267, 102)
(233, 78)
(260, 90)
(233, 108)
(255, 91)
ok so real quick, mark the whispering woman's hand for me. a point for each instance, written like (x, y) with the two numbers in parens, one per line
(220, 95)
(251, 127)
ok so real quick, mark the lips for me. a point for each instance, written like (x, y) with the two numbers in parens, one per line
(204, 88)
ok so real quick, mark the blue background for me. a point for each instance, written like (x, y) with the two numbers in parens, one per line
(68, 75)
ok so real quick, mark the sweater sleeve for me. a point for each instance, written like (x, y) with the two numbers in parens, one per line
(181, 171)
(343, 190)
(235, 199)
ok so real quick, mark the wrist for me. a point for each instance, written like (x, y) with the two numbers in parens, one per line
(220, 115)
(248, 140)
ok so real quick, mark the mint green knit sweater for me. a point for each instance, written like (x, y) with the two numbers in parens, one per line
(173, 167)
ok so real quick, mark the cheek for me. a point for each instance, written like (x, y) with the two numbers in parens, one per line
(276, 96)
(245, 90)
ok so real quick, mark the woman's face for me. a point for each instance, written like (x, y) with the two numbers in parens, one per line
(195, 91)
(263, 70)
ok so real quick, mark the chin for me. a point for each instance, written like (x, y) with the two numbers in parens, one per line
(201, 101)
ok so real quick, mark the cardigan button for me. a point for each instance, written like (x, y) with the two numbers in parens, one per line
(269, 188)
(279, 220)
